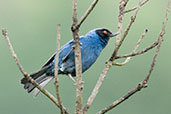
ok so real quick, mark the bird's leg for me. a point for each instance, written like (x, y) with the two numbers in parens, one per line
(71, 77)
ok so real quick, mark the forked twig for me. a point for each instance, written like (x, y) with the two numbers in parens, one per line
(114, 54)
(133, 51)
(44, 91)
(160, 40)
(154, 44)
(132, 9)
(142, 84)
(109, 63)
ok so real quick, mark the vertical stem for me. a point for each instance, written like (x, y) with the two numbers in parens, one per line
(78, 65)
(122, 5)
(120, 19)
(56, 71)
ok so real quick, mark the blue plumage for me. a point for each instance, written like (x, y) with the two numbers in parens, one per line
(91, 46)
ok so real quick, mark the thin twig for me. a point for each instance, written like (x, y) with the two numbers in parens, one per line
(142, 84)
(133, 51)
(27, 76)
(5, 34)
(154, 44)
(87, 13)
(56, 71)
(78, 65)
(122, 6)
(140, 39)
(132, 9)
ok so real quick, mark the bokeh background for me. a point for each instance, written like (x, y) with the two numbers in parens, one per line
(32, 26)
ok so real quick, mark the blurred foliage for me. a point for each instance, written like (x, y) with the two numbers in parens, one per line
(32, 30)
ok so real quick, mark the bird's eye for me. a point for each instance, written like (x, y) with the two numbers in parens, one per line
(105, 32)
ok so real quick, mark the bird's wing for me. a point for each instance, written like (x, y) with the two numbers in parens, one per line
(64, 52)
(49, 60)
(66, 57)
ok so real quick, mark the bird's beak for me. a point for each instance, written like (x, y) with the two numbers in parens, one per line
(114, 34)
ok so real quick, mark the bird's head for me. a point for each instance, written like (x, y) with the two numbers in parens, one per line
(101, 35)
(105, 33)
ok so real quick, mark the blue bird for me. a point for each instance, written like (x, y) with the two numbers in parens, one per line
(91, 46)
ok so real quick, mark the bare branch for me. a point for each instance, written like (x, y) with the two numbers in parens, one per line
(132, 9)
(5, 34)
(56, 71)
(45, 92)
(160, 39)
(78, 65)
(140, 39)
(142, 84)
(97, 87)
(125, 97)
(122, 6)
(139, 52)
(125, 34)
(135, 48)
(108, 64)
(87, 13)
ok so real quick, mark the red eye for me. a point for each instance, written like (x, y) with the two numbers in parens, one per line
(105, 32)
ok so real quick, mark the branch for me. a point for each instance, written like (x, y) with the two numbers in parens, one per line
(139, 52)
(75, 28)
(135, 48)
(108, 64)
(119, 101)
(142, 84)
(122, 6)
(97, 86)
(160, 39)
(45, 92)
(56, 71)
(78, 65)
(132, 9)
(87, 13)
(125, 34)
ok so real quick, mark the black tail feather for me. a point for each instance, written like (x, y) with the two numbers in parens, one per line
(38, 76)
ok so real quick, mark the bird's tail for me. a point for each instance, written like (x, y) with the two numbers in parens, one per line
(40, 77)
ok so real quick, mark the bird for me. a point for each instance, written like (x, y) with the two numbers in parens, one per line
(91, 44)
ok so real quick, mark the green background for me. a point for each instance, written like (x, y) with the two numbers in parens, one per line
(32, 26)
